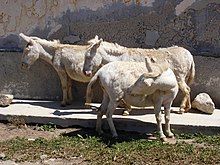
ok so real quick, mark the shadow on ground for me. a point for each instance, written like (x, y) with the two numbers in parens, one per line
(150, 132)
(123, 136)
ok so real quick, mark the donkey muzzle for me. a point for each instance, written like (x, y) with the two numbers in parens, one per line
(24, 66)
(88, 73)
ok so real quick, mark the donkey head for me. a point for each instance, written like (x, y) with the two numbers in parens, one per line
(92, 58)
(31, 52)
(155, 66)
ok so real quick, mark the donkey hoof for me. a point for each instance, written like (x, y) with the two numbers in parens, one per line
(125, 113)
(69, 102)
(181, 111)
(163, 139)
(171, 136)
(115, 137)
(100, 132)
(63, 104)
(186, 110)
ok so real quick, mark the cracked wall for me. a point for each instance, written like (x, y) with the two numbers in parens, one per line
(193, 24)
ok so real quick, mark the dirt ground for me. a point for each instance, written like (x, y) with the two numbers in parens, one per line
(31, 132)
(9, 131)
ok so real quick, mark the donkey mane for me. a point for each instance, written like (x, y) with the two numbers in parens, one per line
(114, 48)
(117, 50)
(46, 42)
(56, 44)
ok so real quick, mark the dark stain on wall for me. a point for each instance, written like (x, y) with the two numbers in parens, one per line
(134, 25)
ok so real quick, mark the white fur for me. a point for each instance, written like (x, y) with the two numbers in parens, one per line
(179, 59)
(129, 81)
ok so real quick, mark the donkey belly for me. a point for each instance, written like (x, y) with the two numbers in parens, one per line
(77, 75)
(139, 100)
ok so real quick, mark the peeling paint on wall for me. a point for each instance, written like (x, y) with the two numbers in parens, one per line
(192, 24)
(183, 6)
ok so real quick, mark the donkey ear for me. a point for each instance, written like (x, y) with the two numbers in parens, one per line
(96, 44)
(100, 40)
(24, 37)
(31, 42)
(147, 60)
(148, 64)
(96, 37)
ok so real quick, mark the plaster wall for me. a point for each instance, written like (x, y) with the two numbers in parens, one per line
(193, 24)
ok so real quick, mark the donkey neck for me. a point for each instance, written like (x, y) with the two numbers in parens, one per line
(111, 51)
(114, 52)
(47, 53)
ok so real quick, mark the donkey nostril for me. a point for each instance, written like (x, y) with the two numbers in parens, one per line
(24, 65)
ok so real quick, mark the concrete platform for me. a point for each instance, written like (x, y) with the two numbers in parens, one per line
(140, 120)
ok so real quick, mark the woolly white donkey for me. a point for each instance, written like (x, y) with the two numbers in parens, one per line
(139, 84)
(66, 59)
(179, 59)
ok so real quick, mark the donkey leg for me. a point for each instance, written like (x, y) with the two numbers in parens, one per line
(110, 110)
(69, 91)
(185, 104)
(127, 108)
(157, 111)
(102, 110)
(167, 108)
(63, 80)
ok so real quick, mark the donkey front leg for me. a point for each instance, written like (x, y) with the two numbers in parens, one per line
(63, 80)
(69, 91)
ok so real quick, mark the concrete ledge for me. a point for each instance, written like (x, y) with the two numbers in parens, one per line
(140, 120)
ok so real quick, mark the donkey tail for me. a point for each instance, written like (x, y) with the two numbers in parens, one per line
(192, 74)
(89, 89)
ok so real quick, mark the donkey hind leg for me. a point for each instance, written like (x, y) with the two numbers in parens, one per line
(185, 104)
(157, 111)
(63, 80)
(69, 91)
(127, 108)
(102, 110)
(110, 110)
(167, 107)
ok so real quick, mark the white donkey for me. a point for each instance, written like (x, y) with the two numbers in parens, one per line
(180, 61)
(137, 85)
(66, 59)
